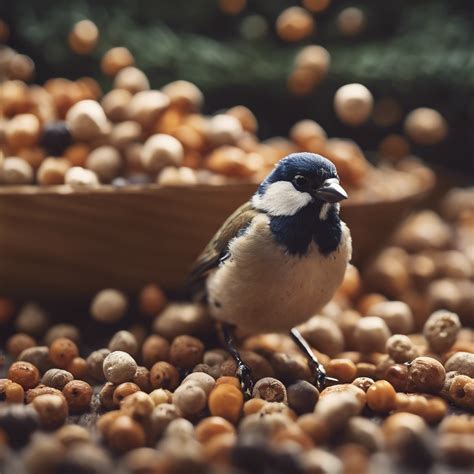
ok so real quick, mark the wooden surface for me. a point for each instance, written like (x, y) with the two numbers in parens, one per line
(56, 241)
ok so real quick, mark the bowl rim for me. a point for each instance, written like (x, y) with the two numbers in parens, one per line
(425, 186)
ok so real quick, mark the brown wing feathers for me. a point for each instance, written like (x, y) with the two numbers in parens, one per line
(218, 246)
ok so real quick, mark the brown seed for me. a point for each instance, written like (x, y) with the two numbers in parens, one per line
(315, 426)
(294, 24)
(25, 374)
(186, 352)
(52, 410)
(381, 396)
(78, 368)
(426, 375)
(56, 378)
(302, 397)
(253, 405)
(462, 391)
(71, 434)
(95, 363)
(342, 369)
(164, 375)
(441, 330)
(106, 396)
(62, 351)
(78, 395)
(397, 375)
(371, 334)
(363, 383)
(138, 405)
(270, 389)
(155, 349)
(124, 390)
(436, 410)
(152, 300)
(142, 379)
(116, 59)
(190, 398)
(17, 343)
(226, 401)
(11, 392)
(401, 349)
(365, 369)
(32, 393)
(125, 434)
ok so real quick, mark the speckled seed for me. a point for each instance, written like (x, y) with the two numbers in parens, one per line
(270, 389)
(119, 367)
(78, 395)
(142, 379)
(205, 381)
(302, 397)
(124, 341)
(32, 393)
(56, 378)
(164, 375)
(462, 391)
(109, 306)
(401, 349)
(426, 375)
(441, 330)
(363, 383)
(190, 398)
(52, 410)
(462, 362)
(186, 351)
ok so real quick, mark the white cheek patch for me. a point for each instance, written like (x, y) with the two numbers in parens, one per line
(281, 199)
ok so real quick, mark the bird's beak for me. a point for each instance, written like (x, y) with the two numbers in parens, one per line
(331, 191)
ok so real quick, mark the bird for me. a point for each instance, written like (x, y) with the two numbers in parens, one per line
(279, 258)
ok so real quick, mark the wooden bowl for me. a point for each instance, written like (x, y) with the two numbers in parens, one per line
(58, 242)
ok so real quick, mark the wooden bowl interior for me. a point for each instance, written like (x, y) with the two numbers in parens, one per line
(62, 243)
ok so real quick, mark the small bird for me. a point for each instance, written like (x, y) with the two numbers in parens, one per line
(279, 258)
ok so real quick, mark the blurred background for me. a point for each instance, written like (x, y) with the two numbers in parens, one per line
(409, 54)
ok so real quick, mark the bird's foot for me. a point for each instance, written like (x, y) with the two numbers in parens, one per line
(322, 380)
(246, 382)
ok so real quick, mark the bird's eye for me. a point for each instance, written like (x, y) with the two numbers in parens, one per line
(300, 181)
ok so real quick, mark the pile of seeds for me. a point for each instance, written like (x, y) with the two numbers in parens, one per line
(70, 132)
(160, 395)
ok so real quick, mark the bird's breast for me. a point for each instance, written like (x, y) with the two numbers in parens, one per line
(262, 288)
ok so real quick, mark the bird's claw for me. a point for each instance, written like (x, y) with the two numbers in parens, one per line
(322, 380)
(246, 382)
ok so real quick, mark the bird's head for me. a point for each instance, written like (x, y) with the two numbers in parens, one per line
(298, 180)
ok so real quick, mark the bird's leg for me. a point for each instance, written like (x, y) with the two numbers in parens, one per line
(243, 371)
(319, 371)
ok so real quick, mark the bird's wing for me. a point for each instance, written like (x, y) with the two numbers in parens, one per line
(217, 249)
